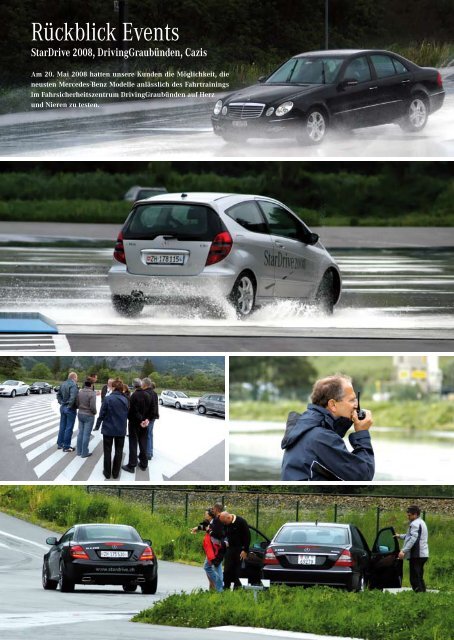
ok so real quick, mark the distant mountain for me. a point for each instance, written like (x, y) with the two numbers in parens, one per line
(183, 365)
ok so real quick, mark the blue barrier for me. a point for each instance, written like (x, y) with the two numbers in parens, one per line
(26, 323)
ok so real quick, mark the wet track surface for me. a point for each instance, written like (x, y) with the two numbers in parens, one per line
(390, 298)
(186, 132)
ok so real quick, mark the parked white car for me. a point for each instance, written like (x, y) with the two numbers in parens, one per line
(13, 388)
(177, 399)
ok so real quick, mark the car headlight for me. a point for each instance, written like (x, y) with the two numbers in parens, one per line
(270, 111)
(217, 108)
(284, 108)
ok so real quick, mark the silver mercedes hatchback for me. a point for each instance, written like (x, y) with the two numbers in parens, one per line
(248, 249)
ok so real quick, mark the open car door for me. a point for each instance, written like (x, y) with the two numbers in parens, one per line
(252, 569)
(385, 567)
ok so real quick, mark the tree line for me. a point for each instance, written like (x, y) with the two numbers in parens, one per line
(239, 31)
(342, 193)
(12, 367)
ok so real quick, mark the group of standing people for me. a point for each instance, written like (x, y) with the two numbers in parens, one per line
(227, 540)
(121, 411)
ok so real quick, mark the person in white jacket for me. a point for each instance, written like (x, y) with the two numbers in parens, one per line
(416, 548)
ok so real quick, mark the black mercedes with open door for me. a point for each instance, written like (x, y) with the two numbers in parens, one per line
(332, 554)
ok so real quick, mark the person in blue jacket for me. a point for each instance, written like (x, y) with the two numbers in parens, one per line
(313, 443)
(113, 416)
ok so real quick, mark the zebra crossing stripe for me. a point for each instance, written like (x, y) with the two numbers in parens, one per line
(39, 437)
(19, 436)
(30, 424)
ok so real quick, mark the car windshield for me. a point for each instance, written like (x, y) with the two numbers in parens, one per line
(108, 532)
(180, 394)
(312, 535)
(11, 383)
(176, 220)
(307, 70)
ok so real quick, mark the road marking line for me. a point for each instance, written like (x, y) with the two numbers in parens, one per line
(13, 537)
(277, 632)
(40, 427)
(39, 437)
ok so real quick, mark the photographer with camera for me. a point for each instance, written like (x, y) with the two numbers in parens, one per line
(213, 545)
(313, 443)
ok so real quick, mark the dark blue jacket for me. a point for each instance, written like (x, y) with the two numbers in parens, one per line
(114, 414)
(67, 394)
(315, 450)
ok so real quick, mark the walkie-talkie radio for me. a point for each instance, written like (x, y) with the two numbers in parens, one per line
(360, 412)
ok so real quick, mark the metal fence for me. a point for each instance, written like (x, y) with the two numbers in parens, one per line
(268, 511)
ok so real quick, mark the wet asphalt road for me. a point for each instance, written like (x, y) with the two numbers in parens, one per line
(184, 132)
(393, 299)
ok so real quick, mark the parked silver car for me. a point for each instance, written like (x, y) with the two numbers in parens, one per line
(177, 399)
(13, 388)
(248, 249)
(212, 403)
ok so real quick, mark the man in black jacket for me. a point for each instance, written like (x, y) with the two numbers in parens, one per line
(139, 407)
(313, 443)
(238, 539)
(153, 412)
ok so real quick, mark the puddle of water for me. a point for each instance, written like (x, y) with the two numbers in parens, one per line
(383, 288)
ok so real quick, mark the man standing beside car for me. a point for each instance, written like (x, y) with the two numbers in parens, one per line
(416, 548)
(67, 398)
(238, 539)
(313, 443)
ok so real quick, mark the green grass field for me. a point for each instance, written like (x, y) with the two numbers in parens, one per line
(414, 415)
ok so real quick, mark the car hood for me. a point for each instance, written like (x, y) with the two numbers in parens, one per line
(272, 93)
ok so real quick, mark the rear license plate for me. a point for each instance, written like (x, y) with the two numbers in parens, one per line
(165, 259)
(307, 560)
(114, 554)
(240, 124)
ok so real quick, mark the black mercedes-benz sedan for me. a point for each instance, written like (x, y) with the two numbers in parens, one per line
(332, 554)
(40, 387)
(100, 554)
(347, 89)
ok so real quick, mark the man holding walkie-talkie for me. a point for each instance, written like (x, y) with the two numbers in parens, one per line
(313, 443)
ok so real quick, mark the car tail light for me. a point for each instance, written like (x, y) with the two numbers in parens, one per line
(78, 553)
(220, 248)
(345, 559)
(270, 557)
(439, 80)
(147, 554)
(119, 251)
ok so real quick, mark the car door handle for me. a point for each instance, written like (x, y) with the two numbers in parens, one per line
(405, 81)
(373, 88)
(279, 244)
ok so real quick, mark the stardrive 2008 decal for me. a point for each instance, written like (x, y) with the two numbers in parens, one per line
(284, 261)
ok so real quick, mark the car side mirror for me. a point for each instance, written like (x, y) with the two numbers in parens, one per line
(347, 82)
(311, 238)
(148, 542)
(262, 79)
(52, 541)
(383, 549)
